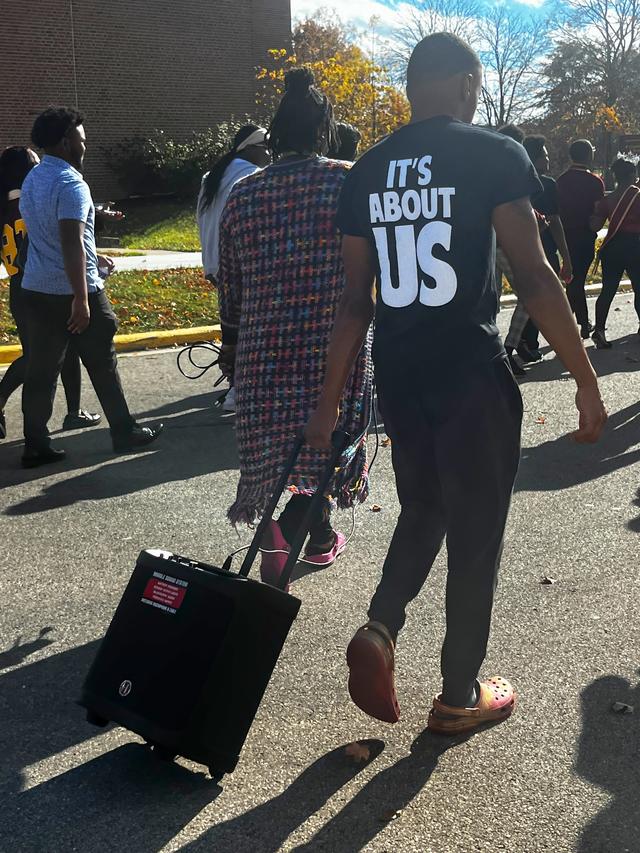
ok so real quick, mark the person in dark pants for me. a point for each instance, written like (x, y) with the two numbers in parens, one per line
(621, 247)
(418, 213)
(553, 238)
(15, 164)
(63, 292)
(579, 190)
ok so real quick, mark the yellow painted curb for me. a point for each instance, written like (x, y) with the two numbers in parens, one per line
(140, 341)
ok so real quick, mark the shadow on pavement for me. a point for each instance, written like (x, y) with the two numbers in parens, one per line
(609, 757)
(382, 798)
(194, 443)
(634, 524)
(123, 800)
(265, 828)
(39, 713)
(624, 357)
(20, 651)
(561, 463)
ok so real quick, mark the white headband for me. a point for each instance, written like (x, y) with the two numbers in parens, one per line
(258, 137)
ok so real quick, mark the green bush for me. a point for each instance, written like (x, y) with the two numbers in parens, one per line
(161, 164)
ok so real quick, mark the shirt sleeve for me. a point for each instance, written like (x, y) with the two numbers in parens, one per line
(602, 208)
(229, 280)
(551, 193)
(350, 219)
(514, 174)
(74, 201)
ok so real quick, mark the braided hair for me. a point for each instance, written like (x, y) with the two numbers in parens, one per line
(304, 120)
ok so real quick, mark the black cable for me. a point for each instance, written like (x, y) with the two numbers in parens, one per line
(374, 414)
(187, 353)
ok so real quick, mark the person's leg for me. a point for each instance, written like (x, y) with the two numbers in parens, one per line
(519, 320)
(14, 376)
(477, 446)
(47, 318)
(97, 351)
(633, 269)
(294, 513)
(420, 528)
(72, 380)
(613, 265)
(582, 251)
(415, 544)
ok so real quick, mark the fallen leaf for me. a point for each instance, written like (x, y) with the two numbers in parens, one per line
(622, 708)
(387, 817)
(547, 581)
(358, 752)
(541, 420)
(386, 442)
(376, 508)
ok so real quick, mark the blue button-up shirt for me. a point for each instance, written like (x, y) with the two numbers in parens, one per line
(52, 191)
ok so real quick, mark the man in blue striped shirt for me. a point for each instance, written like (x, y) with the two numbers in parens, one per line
(64, 291)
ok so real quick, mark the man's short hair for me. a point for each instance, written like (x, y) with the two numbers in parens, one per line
(533, 146)
(581, 151)
(513, 132)
(53, 124)
(440, 56)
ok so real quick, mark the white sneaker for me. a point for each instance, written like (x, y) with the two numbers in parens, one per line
(229, 404)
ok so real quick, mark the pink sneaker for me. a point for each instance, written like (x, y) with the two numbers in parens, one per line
(329, 557)
(271, 565)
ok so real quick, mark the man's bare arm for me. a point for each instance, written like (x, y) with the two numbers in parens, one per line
(75, 264)
(544, 298)
(353, 318)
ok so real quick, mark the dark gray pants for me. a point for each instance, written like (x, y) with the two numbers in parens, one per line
(14, 377)
(49, 338)
(456, 450)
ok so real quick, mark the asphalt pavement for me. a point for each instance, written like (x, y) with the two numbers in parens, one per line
(562, 775)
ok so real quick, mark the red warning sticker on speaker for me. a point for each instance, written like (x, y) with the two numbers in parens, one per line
(164, 593)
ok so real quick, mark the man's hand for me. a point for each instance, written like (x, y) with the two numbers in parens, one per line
(80, 316)
(320, 427)
(593, 414)
(227, 360)
(109, 263)
(566, 273)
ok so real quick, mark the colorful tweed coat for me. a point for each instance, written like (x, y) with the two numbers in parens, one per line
(279, 283)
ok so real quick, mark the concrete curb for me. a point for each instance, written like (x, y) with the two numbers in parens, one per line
(141, 341)
(157, 340)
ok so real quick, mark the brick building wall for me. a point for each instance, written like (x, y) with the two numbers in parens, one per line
(179, 65)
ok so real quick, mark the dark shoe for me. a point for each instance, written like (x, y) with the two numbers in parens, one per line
(3, 426)
(35, 458)
(516, 367)
(600, 340)
(585, 331)
(81, 420)
(529, 356)
(138, 437)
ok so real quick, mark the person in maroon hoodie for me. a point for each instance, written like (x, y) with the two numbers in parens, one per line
(579, 190)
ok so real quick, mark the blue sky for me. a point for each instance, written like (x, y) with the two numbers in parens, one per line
(360, 12)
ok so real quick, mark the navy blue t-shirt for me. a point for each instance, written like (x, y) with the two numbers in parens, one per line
(424, 197)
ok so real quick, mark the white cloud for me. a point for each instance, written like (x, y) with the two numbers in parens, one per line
(358, 12)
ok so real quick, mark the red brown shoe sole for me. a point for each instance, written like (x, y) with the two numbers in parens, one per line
(371, 681)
